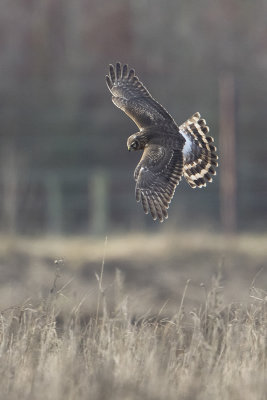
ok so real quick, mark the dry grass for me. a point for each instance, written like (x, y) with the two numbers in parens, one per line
(85, 339)
(217, 352)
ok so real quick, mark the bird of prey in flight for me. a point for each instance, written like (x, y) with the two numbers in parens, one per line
(169, 151)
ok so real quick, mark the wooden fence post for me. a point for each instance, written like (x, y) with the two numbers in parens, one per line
(9, 172)
(227, 152)
(98, 193)
(54, 204)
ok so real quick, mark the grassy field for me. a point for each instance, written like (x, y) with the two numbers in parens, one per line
(138, 317)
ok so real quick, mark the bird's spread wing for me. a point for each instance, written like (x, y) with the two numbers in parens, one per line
(200, 158)
(130, 95)
(157, 175)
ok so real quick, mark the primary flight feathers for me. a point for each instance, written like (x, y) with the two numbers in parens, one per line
(169, 151)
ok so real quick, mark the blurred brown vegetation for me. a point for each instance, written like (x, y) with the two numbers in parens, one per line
(154, 268)
(64, 164)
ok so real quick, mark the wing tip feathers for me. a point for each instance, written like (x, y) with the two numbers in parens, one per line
(120, 71)
(108, 82)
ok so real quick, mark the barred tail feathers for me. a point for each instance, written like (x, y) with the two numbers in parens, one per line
(200, 158)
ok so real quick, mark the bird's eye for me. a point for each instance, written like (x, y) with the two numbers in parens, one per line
(134, 144)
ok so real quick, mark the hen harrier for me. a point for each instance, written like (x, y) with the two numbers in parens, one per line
(170, 152)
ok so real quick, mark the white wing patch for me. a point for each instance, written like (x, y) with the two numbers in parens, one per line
(188, 144)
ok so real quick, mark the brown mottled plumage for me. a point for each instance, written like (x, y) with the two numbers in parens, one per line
(169, 151)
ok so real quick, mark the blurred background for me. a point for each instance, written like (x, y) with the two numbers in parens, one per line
(64, 165)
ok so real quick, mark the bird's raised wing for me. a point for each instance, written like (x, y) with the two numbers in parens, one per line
(157, 175)
(131, 96)
(200, 158)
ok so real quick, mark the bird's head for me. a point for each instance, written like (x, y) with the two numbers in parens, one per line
(135, 143)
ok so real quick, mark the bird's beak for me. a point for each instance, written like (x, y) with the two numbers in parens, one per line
(129, 148)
